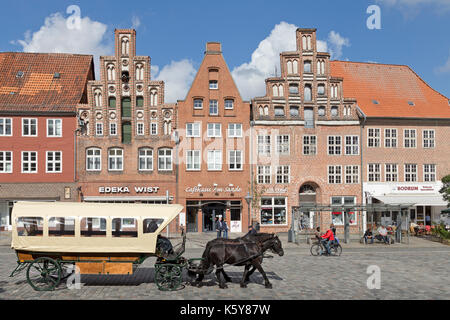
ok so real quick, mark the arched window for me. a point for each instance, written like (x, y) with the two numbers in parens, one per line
(125, 45)
(309, 46)
(139, 72)
(280, 90)
(153, 97)
(261, 111)
(289, 67)
(275, 90)
(307, 66)
(167, 127)
(111, 72)
(308, 92)
(98, 97)
(266, 110)
(304, 44)
(295, 66)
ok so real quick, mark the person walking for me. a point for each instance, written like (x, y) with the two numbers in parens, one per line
(218, 227)
(224, 226)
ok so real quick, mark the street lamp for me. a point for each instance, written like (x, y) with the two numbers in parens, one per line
(248, 198)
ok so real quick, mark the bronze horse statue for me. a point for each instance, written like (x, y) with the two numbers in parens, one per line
(246, 251)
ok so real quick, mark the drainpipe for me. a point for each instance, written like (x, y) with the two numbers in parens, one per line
(75, 154)
(251, 172)
(361, 113)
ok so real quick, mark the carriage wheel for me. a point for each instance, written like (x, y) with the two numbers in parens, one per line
(315, 249)
(168, 277)
(44, 274)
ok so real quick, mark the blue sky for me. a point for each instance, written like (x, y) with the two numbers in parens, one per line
(173, 34)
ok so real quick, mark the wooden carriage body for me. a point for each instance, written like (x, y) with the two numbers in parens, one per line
(98, 238)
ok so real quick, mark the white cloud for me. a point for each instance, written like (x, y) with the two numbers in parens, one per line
(136, 22)
(178, 77)
(56, 37)
(445, 68)
(250, 76)
(411, 8)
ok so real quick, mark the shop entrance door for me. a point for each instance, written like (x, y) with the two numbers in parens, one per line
(211, 211)
(191, 219)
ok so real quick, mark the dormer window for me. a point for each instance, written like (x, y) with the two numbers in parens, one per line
(56, 75)
(375, 102)
(20, 74)
(411, 103)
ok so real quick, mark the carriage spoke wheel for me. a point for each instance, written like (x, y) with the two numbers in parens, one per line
(44, 274)
(168, 277)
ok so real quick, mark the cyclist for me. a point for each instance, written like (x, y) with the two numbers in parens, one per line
(328, 238)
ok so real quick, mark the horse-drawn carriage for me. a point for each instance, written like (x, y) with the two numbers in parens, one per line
(114, 239)
(97, 238)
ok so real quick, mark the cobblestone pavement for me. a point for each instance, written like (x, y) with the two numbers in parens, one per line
(420, 271)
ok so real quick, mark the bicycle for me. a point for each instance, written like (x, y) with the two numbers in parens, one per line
(318, 248)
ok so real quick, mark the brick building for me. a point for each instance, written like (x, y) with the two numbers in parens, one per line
(38, 98)
(405, 138)
(305, 141)
(125, 145)
(213, 126)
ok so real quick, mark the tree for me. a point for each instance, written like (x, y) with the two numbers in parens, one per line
(445, 190)
(256, 191)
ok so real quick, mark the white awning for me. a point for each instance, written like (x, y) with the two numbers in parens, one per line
(126, 198)
(413, 200)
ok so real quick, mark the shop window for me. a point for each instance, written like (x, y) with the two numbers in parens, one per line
(93, 227)
(124, 227)
(30, 226)
(61, 227)
(273, 211)
(150, 225)
(338, 216)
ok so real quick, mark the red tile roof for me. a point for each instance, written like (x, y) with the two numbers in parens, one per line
(392, 86)
(37, 90)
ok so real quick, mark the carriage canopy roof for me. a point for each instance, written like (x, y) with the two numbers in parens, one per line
(133, 233)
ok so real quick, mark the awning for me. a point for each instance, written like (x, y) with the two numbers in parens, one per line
(413, 200)
(126, 198)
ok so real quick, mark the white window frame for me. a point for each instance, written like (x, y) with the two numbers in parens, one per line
(429, 173)
(335, 146)
(390, 138)
(29, 124)
(309, 145)
(98, 132)
(215, 160)
(111, 125)
(412, 173)
(116, 157)
(53, 162)
(375, 173)
(235, 130)
(334, 174)
(3, 134)
(232, 160)
(273, 206)
(216, 106)
(140, 128)
(354, 176)
(145, 156)
(227, 107)
(430, 141)
(165, 157)
(352, 145)
(264, 146)
(214, 130)
(409, 139)
(196, 107)
(264, 174)
(153, 128)
(55, 121)
(283, 174)
(29, 161)
(191, 163)
(193, 130)
(389, 173)
(376, 139)
(213, 84)
(93, 159)
(283, 146)
(6, 162)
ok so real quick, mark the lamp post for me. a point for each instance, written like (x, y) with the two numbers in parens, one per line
(248, 198)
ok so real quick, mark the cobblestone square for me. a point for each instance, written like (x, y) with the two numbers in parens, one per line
(417, 271)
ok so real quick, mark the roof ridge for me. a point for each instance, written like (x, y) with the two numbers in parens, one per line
(373, 63)
(420, 78)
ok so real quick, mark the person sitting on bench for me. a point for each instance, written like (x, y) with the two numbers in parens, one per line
(382, 234)
(368, 235)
